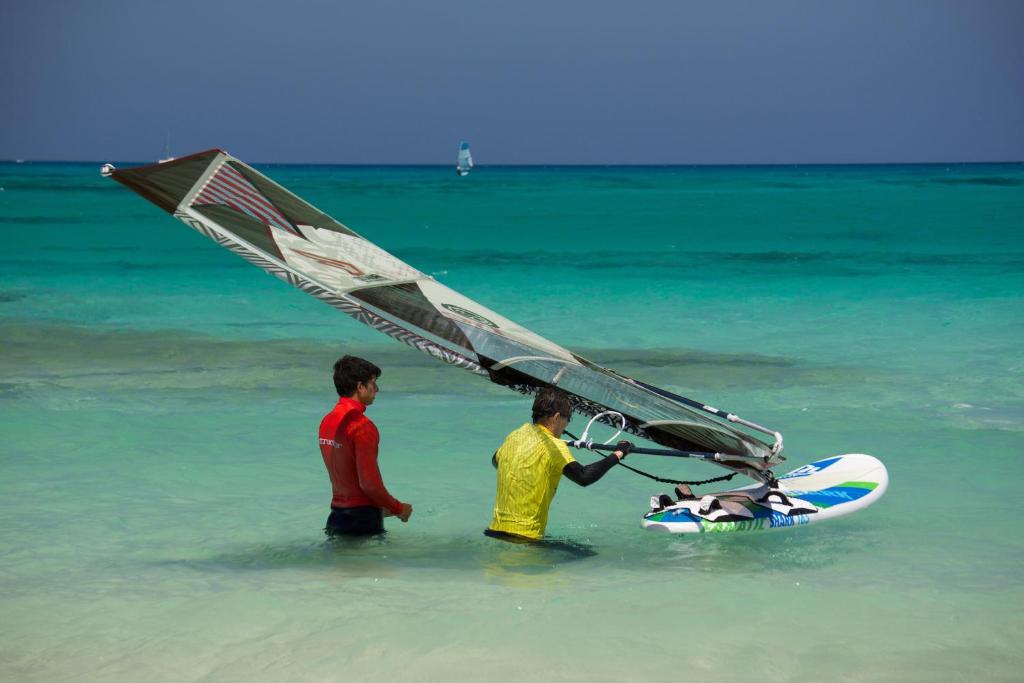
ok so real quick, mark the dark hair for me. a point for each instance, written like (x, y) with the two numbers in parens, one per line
(350, 371)
(550, 401)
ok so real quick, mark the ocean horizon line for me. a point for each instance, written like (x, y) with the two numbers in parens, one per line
(413, 165)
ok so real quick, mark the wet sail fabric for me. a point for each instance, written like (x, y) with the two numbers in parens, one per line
(251, 215)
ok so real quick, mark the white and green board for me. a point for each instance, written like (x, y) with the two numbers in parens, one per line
(825, 489)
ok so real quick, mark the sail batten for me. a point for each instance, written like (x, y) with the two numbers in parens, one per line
(253, 216)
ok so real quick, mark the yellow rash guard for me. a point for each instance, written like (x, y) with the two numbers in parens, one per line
(530, 464)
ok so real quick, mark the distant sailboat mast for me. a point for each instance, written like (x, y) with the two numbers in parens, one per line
(167, 149)
(465, 162)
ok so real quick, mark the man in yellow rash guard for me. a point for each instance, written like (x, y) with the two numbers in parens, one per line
(530, 464)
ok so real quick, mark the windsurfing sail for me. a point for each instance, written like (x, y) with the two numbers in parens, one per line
(465, 161)
(251, 215)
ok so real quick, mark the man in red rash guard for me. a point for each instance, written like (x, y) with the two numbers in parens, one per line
(348, 443)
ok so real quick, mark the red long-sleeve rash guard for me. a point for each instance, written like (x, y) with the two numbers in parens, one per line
(348, 443)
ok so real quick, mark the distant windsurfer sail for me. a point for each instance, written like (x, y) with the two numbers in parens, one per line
(248, 213)
(464, 163)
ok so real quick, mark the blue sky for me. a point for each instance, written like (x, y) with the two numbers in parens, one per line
(574, 82)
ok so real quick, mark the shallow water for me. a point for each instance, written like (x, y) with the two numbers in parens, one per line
(161, 493)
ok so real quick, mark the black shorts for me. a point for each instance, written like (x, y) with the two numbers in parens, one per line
(511, 538)
(574, 549)
(358, 521)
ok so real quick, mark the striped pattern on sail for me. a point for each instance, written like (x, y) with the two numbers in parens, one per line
(228, 187)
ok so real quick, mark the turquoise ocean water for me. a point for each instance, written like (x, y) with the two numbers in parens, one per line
(162, 494)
